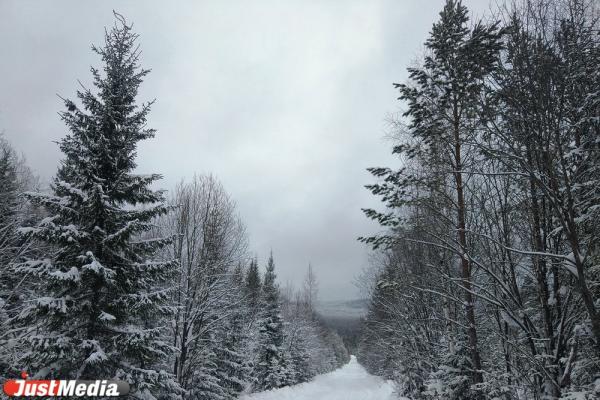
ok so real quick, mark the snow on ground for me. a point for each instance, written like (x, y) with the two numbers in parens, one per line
(351, 382)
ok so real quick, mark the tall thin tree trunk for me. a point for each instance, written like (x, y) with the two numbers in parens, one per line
(465, 264)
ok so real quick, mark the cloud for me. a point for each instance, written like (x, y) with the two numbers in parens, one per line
(284, 101)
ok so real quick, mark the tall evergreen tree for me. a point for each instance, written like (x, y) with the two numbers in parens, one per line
(271, 370)
(99, 290)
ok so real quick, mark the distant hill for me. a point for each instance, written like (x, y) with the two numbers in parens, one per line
(345, 317)
(343, 308)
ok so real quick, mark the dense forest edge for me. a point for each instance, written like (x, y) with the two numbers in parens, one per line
(486, 279)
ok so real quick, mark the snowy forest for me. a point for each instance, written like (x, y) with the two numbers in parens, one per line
(103, 276)
(484, 273)
(486, 279)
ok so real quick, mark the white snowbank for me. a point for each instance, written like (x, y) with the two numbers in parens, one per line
(351, 382)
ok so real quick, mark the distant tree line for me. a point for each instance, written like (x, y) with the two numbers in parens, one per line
(486, 283)
(104, 277)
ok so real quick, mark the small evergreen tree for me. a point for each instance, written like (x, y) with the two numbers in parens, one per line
(233, 368)
(237, 277)
(99, 291)
(206, 382)
(299, 358)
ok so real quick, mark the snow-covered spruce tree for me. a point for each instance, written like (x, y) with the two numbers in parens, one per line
(299, 357)
(271, 370)
(99, 290)
(204, 374)
(295, 338)
(253, 286)
(233, 367)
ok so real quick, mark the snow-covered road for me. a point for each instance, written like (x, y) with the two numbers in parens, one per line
(351, 382)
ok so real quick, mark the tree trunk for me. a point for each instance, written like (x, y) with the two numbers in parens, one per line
(465, 264)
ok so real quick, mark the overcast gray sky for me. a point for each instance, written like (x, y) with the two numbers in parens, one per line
(284, 101)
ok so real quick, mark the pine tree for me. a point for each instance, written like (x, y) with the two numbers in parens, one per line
(443, 106)
(99, 290)
(271, 369)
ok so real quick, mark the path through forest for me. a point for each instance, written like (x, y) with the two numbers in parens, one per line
(351, 382)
